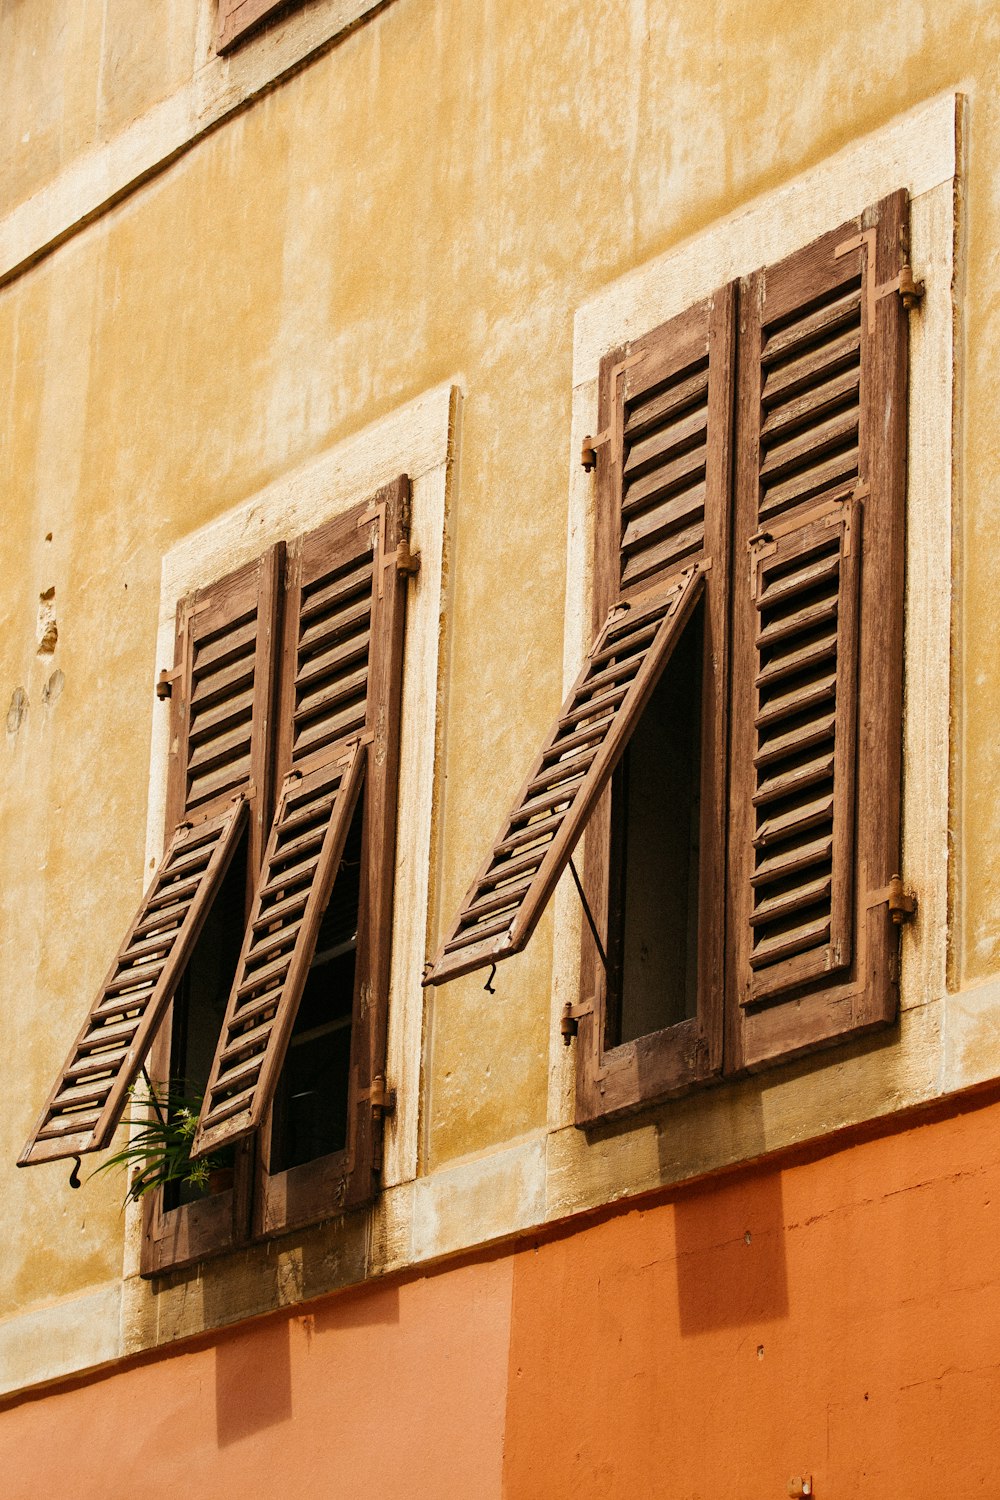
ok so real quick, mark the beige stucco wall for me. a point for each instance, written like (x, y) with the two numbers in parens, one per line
(430, 201)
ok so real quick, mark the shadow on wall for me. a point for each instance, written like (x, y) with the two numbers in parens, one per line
(253, 1367)
(253, 1380)
(731, 1262)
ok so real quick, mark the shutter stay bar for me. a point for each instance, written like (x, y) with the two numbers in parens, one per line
(590, 917)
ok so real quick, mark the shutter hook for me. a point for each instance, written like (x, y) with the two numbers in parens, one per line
(74, 1176)
(488, 986)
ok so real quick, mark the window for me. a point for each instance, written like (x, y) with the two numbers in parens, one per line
(737, 772)
(258, 962)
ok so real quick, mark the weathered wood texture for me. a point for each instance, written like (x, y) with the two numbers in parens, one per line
(815, 791)
(237, 18)
(663, 500)
(90, 1095)
(507, 897)
(300, 865)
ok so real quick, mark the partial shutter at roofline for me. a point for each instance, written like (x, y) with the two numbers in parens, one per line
(301, 861)
(505, 901)
(87, 1102)
(817, 641)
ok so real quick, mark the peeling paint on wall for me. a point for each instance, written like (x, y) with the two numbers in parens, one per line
(17, 710)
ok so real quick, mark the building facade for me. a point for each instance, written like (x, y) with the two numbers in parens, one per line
(499, 640)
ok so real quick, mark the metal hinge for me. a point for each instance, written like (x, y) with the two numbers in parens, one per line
(572, 1015)
(588, 453)
(900, 899)
(165, 682)
(382, 1100)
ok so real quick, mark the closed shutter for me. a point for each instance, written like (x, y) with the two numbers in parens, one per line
(507, 897)
(220, 722)
(817, 641)
(222, 703)
(338, 739)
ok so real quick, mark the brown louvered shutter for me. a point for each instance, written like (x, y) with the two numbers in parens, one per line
(220, 723)
(664, 500)
(86, 1104)
(222, 704)
(300, 864)
(338, 739)
(507, 897)
(238, 17)
(817, 642)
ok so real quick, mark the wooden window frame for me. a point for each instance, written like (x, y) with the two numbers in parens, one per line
(261, 1204)
(619, 1079)
(749, 1030)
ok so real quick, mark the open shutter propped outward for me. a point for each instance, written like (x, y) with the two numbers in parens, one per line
(508, 896)
(221, 696)
(817, 642)
(87, 1102)
(300, 865)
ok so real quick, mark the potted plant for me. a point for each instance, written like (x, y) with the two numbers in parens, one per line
(160, 1150)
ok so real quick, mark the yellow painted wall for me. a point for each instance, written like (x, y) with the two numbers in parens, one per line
(433, 197)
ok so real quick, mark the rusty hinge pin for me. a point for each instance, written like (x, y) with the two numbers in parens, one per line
(569, 1026)
(381, 1099)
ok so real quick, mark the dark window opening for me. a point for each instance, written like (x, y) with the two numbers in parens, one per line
(310, 1118)
(200, 1005)
(655, 838)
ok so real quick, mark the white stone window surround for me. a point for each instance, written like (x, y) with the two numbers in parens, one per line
(920, 151)
(419, 439)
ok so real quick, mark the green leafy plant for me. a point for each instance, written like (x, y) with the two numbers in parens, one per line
(160, 1150)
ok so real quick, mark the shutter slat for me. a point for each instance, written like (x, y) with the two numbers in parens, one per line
(683, 391)
(118, 1047)
(805, 678)
(477, 936)
(228, 1116)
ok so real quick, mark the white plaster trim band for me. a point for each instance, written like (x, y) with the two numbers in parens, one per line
(101, 177)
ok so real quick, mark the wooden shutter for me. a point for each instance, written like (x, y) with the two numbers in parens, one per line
(664, 483)
(663, 458)
(86, 1104)
(817, 645)
(338, 734)
(300, 864)
(507, 897)
(222, 703)
(222, 688)
(238, 17)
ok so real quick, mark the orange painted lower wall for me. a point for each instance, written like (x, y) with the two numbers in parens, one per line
(392, 1393)
(839, 1318)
